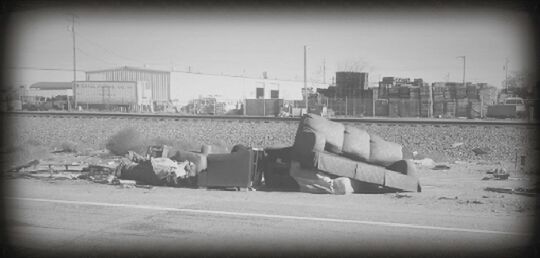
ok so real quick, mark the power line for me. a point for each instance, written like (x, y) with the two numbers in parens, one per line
(106, 49)
(94, 57)
(42, 68)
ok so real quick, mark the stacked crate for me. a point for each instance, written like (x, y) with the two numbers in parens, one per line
(425, 101)
(393, 107)
(438, 101)
(462, 106)
(472, 92)
(450, 108)
(383, 91)
(414, 102)
(393, 92)
(381, 107)
(461, 92)
(404, 92)
(475, 109)
(409, 108)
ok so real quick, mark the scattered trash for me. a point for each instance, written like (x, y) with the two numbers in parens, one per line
(468, 202)
(457, 144)
(497, 174)
(441, 167)
(481, 151)
(402, 195)
(144, 186)
(426, 162)
(447, 198)
(520, 191)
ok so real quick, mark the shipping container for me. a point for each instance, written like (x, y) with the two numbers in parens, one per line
(112, 93)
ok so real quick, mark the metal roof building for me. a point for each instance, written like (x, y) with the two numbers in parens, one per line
(52, 85)
(159, 81)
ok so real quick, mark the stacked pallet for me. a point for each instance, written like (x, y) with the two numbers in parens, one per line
(450, 93)
(415, 93)
(393, 92)
(450, 108)
(438, 108)
(404, 92)
(461, 92)
(412, 108)
(425, 106)
(462, 106)
(475, 109)
(438, 93)
(472, 92)
(383, 91)
(381, 107)
(393, 107)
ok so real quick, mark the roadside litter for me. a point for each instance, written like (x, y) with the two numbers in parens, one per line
(519, 190)
(497, 174)
(326, 157)
(441, 167)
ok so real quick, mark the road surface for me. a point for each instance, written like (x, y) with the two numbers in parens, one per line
(49, 218)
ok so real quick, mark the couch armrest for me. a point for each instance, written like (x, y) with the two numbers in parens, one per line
(306, 144)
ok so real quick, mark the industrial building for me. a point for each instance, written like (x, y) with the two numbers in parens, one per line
(49, 89)
(158, 81)
(126, 95)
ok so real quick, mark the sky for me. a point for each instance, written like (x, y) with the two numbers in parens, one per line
(403, 43)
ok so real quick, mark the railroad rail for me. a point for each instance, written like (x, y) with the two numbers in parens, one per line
(370, 120)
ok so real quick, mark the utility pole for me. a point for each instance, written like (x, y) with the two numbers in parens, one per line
(324, 71)
(506, 74)
(464, 62)
(305, 78)
(74, 62)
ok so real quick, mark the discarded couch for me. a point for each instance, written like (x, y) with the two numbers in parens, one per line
(217, 167)
(326, 153)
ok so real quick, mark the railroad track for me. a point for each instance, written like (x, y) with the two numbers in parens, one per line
(364, 120)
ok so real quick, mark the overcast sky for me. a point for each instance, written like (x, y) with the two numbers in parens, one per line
(403, 43)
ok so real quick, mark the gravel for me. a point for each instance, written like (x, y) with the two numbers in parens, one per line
(431, 141)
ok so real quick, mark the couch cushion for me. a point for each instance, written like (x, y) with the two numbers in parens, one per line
(332, 131)
(356, 143)
(383, 152)
(364, 172)
(342, 166)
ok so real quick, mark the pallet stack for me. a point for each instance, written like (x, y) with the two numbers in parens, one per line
(472, 92)
(425, 101)
(462, 106)
(475, 109)
(450, 108)
(438, 101)
(461, 92)
(381, 107)
(393, 107)
(383, 91)
(393, 92)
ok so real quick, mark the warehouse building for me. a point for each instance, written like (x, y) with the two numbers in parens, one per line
(158, 81)
(49, 89)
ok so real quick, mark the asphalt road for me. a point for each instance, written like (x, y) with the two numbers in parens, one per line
(80, 218)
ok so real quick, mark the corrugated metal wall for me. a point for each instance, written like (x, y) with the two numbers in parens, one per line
(158, 81)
